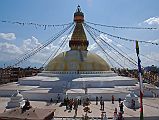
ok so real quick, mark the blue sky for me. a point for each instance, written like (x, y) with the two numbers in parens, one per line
(16, 40)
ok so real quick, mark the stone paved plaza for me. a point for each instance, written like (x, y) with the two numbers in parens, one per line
(151, 109)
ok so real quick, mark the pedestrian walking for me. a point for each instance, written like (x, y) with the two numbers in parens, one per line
(103, 116)
(121, 107)
(75, 106)
(80, 102)
(100, 104)
(71, 103)
(119, 100)
(115, 114)
(133, 104)
(113, 99)
(67, 103)
(75, 112)
(120, 116)
(51, 100)
(58, 98)
(103, 105)
(101, 98)
(96, 100)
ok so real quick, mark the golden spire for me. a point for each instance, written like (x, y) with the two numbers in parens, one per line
(78, 40)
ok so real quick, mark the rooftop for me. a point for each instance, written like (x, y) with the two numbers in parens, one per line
(31, 114)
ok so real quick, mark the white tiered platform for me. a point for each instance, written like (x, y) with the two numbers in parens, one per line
(47, 85)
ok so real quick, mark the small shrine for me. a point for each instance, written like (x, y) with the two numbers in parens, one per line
(131, 101)
(16, 100)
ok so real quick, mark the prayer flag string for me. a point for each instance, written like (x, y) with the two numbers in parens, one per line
(44, 26)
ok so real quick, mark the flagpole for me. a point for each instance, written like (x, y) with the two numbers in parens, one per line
(140, 82)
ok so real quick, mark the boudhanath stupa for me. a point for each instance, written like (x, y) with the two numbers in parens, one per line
(76, 73)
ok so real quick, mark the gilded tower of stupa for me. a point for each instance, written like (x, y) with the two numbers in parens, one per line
(78, 58)
(78, 40)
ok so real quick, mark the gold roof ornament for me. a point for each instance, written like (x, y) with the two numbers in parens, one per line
(78, 40)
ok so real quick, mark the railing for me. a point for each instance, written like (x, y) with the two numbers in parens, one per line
(78, 72)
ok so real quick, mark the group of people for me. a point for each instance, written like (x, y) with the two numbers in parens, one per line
(57, 99)
(71, 103)
(74, 103)
(117, 115)
(101, 102)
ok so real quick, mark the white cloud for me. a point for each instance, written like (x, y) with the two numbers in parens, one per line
(10, 52)
(30, 43)
(9, 48)
(119, 45)
(150, 59)
(95, 46)
(152, 21)
(47, 51)
(7, 36)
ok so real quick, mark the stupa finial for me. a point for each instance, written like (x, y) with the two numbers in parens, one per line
(78, 15)
(78, 8)
(78, 40)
